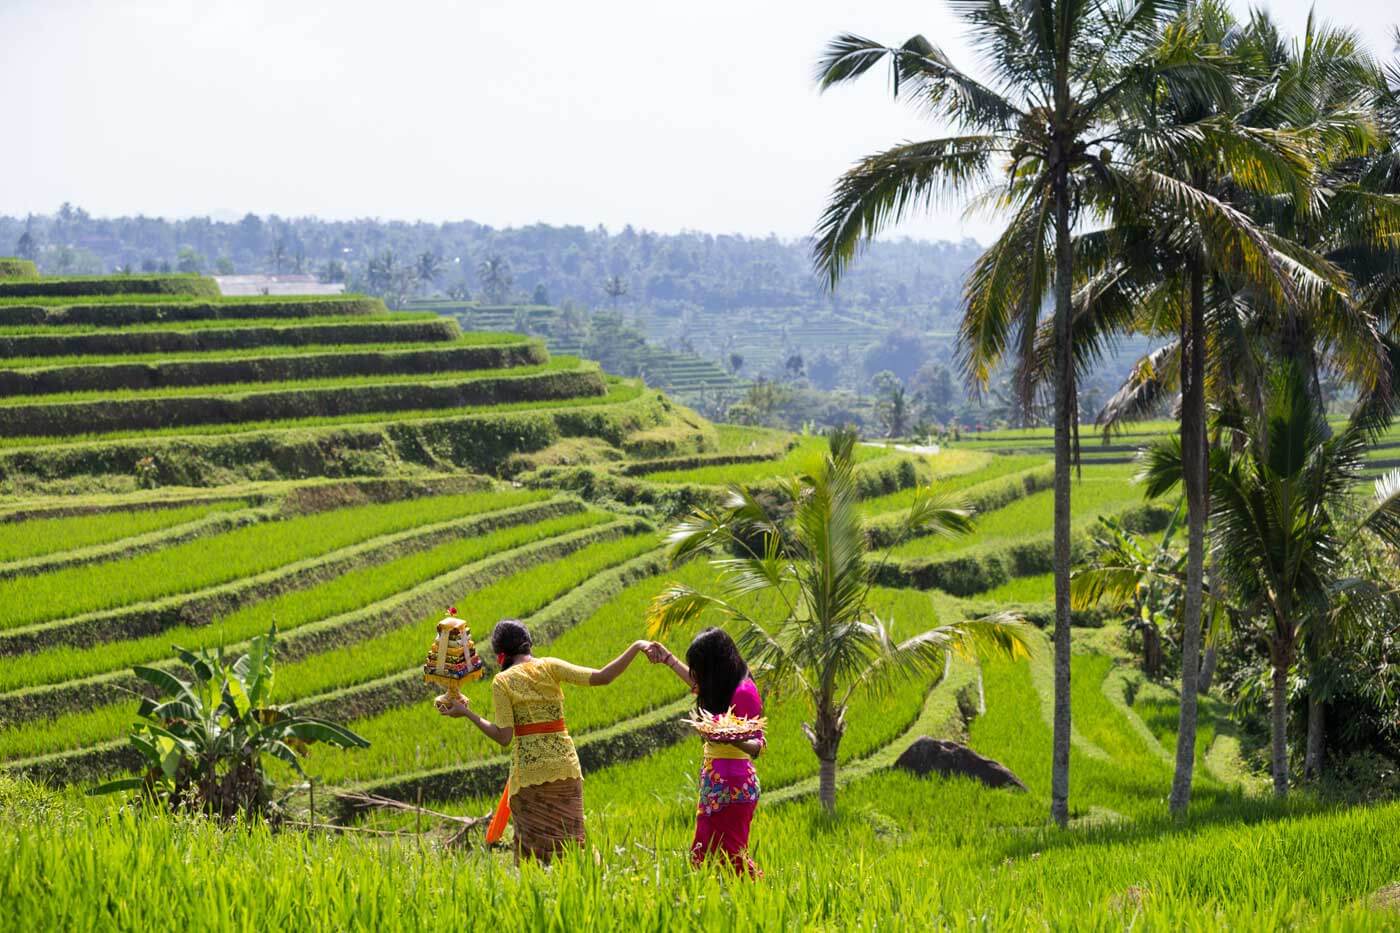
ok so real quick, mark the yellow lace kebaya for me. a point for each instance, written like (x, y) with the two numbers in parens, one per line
(527, 694)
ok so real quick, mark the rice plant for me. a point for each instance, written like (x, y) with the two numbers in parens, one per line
(37, 537)
(229, 556)
(345, 592)
(950, 852)
(803, 456)
(356, 662)
(1103, 489)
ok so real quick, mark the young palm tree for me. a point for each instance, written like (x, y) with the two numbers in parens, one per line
(1282, 512)
(1068, 77)
(825, 643)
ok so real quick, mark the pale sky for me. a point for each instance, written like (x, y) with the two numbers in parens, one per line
(665, 115)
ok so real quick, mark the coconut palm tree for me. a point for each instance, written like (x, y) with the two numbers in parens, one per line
(1068, 80)
(1298, 211)
(1282, 512)
(496, 278)
(826, 642)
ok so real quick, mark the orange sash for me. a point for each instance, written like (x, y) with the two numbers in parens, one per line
(497, 827)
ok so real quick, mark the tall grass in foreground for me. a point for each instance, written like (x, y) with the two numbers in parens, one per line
(905, 852)
(242, 552)
(37, 537)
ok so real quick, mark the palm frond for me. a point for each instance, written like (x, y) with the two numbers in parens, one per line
(880, 190)
(1382, 517)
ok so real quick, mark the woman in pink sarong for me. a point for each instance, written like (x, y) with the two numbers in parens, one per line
(717, 674)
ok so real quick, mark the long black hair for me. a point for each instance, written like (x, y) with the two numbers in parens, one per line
(717, 669)
(510, 637)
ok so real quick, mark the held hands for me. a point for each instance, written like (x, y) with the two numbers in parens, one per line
(656, 652)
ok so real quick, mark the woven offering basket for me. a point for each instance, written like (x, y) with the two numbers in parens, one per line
(728, 727)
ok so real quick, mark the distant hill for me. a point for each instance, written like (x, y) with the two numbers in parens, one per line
(667, 273)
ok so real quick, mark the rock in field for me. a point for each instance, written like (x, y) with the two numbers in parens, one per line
(928, 755)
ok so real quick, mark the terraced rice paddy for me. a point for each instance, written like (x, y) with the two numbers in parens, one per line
(356, 584)
(112, 368)
(244, 552)
(793, 462)
(957, 473)
(1103, 490)
(41, 536)
(618, 393)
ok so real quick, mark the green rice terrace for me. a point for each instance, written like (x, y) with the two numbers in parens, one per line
(183, 469)
(685, 376)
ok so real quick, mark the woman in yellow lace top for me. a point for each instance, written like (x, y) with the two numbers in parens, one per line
(545, 793)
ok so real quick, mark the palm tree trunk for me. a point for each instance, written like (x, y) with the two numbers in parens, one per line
(827, 784)
(1280, 721)
(1212, 655)
(1064, 414)
(1193, 456)
(1151, 649)
(824, 734)
(1317, 725)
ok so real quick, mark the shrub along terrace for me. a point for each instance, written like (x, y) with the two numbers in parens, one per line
(474, 339)
(334, 381)
(12, 268)
(475, 437)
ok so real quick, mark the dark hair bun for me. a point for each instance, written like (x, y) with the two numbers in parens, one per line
(510, 637)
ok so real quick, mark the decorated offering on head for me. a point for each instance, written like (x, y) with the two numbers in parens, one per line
(727, 727)
(452, 658)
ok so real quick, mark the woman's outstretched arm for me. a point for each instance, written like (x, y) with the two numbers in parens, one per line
(462, 709)
(608, 672)
(660, 654)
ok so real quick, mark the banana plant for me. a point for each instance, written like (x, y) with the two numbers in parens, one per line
(203, 741)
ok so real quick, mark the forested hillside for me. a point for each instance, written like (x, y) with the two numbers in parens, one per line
(703, 316)
(664, 272)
